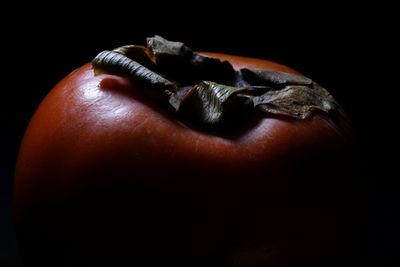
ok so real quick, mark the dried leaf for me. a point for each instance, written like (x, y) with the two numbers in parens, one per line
(173, 59)
(138, 53)
(118, 64)
(272, 77)
(162, 47)
(297, 101)
(213, 69)
(207, 101)
(208, 91)
(177, 98)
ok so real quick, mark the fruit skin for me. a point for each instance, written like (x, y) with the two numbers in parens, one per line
(105, 178)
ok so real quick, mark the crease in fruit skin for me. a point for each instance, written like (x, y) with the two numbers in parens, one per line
(208, 92)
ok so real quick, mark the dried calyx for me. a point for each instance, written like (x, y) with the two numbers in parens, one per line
(209, 92)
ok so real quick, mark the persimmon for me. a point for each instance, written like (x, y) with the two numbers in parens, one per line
(109, 175)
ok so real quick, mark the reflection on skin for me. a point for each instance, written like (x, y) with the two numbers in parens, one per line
(105, 105)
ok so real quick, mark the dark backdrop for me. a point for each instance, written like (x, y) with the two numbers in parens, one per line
(335, 46)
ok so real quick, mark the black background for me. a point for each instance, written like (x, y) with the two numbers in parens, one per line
(340, 47)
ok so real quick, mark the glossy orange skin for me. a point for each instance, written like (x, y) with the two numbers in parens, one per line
(106, 178)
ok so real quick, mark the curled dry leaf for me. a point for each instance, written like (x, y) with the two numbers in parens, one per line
(273, 77)
(118, 64)
(160, 46)
(138, 53)
(208, 101)
(297, 101)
